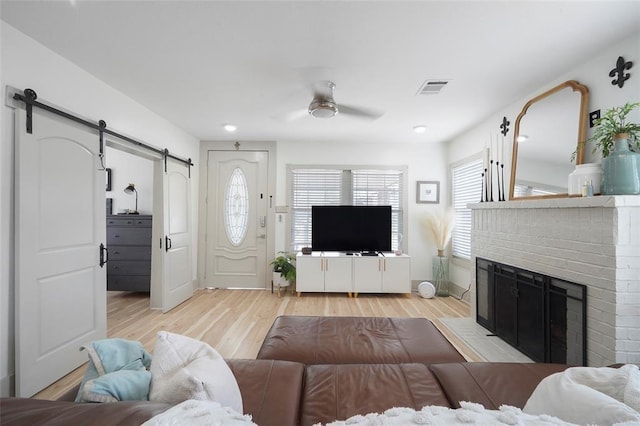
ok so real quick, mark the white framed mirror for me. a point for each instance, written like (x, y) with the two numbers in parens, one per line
(549, 129)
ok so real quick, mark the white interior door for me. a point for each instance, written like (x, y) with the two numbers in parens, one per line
(236, 233)
(177, 277)
(60, 223)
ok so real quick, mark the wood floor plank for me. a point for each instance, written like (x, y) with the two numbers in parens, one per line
(236, 321)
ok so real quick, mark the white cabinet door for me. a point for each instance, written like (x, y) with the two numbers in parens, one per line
(396, 274)
(309, 273)
(337, 274)
(367, 275)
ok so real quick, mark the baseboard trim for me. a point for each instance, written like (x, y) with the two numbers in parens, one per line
(7, 386)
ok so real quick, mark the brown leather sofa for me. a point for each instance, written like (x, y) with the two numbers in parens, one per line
(351, 366)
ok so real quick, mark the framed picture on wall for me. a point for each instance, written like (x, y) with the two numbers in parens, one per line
(108, 170)
(428, 192)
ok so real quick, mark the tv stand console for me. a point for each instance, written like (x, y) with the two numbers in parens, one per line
(339, 272)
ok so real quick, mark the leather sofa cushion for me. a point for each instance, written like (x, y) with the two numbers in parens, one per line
(492, 384)
(27, 411)
(270, 393)
(356, 340)
(337, 392)
(270, 389)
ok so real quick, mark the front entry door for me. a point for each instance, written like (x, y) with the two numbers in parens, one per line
(236, 219)
(60, 225)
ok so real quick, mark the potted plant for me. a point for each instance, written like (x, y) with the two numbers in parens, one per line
(284, 270)
(613, 125)
(614, 134)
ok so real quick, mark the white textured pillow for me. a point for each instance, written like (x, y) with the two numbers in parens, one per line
(184, 368)
(589, 395)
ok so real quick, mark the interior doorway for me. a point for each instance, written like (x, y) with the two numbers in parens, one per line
(129, 210)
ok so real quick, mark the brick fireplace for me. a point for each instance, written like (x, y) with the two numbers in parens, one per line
(593, 241)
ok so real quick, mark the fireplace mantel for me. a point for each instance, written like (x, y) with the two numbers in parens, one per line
(594, 241)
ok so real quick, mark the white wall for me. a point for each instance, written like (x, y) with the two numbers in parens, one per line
(28, 64)
(127, 168)
(602, 95)
(424, 162)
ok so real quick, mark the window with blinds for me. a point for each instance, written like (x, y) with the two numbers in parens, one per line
(466, 187)
(334, 187)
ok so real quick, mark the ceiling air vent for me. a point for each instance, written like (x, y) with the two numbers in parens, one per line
(432, 87)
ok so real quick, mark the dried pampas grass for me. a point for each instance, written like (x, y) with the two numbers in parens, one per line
(439, 225)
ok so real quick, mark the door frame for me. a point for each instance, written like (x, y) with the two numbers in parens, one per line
(230, 146)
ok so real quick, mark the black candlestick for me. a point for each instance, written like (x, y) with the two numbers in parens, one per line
(482, 188)
(504, 198)
(491, 180)
(486, 185)
(498, 177)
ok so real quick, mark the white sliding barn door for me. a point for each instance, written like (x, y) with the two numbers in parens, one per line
(60, 290)
(177, 280)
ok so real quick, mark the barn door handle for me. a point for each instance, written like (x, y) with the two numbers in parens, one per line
(167, 243)
(104, 255)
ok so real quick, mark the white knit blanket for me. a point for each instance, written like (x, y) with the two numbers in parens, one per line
(469, 414)
(200, 413)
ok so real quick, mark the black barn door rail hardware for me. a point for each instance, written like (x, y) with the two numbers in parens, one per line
(29, 97)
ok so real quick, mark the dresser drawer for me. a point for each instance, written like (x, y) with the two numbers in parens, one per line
(128, 283)
(143, 221)
(117, 252)
(128, 267)
(130, 236)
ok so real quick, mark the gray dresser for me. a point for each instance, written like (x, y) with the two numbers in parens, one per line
(129, 247)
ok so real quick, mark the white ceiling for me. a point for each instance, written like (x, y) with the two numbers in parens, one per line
(202, 64)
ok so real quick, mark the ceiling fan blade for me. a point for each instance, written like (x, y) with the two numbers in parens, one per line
(358, 112)
(291, 115)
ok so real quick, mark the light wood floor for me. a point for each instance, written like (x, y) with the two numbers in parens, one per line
(235, 322)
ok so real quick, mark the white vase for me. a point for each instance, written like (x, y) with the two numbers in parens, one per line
(583, 174)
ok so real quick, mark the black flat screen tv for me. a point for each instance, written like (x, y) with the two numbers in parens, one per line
(351, 228)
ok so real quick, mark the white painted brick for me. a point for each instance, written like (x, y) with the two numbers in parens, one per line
(597, 245)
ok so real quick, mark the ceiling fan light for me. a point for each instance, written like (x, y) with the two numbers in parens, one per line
(323, 108)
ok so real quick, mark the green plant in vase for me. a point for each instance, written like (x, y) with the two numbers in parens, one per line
(614, 122)
(618, 140)
(284, 268)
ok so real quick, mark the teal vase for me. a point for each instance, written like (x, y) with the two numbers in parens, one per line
(621, 170)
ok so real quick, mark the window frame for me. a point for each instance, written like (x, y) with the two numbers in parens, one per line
(465, 161)
(347, 199)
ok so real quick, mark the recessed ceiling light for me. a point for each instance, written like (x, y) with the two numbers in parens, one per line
(230, 128)
(522, 138)
(419, 129)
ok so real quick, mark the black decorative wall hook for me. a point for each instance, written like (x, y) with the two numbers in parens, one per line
(619, 70)
(505, 126)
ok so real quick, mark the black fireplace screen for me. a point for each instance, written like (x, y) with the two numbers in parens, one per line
(543, 317)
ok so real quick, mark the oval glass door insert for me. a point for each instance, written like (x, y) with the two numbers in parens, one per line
(236, 207)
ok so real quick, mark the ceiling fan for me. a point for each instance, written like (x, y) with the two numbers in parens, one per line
(323, 105)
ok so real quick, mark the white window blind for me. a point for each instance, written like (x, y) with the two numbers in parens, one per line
(333, 187)
(466, 185)
(381, 188)
(311, 187)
